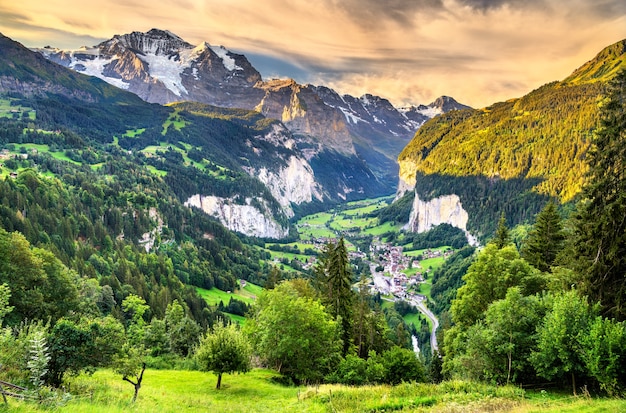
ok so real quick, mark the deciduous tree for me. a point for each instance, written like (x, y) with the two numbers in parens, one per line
(224, 350)
(294, 334)
(560, 336)
(494, 271)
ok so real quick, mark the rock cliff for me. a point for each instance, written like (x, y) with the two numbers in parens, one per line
(445, 209)
(294, 183)
(247, 219)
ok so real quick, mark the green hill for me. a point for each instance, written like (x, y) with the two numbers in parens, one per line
(512, 156)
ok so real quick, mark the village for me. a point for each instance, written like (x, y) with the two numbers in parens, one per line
(388, 263)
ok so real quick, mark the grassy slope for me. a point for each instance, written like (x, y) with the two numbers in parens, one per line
(247, 295)
(214, 296)
(192, 391)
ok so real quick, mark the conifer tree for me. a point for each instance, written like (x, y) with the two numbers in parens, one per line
(600, 225)
(274, 277)
(502, 237)
(334, 281)
(545, 240)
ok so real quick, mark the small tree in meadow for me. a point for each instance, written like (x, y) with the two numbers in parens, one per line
(224, 350)
(130, 364)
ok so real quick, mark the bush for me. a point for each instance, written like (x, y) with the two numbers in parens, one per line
(402, 365)
(352, 371)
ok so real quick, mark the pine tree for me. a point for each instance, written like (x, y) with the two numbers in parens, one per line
(334, 281)
(600, 225)
(502, 237)
(545, 240)
(274, 277)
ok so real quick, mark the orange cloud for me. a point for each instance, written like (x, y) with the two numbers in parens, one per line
(409, 51)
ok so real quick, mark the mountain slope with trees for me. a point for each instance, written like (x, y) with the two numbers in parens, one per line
(512, 156)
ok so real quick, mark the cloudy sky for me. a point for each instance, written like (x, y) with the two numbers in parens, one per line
(409, 51)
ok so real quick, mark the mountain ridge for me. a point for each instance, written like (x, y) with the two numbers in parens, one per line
(368, 127)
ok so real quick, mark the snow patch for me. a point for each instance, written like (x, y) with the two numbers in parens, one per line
(167, 70)
(431, 112)
(95, 67)
(351, 117)
(229, 62)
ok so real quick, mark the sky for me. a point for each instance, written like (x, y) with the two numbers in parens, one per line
(408, 51)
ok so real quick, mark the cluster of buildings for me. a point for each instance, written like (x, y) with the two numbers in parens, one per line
(388, 264)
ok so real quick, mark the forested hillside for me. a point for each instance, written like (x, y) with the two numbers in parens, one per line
(513, 156)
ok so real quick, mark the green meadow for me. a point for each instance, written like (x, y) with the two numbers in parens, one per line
(10, 110)
(214, 295)
(176, 391)
(175, 121)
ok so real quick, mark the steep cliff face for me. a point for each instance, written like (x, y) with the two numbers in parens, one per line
(247, 219)
(290, 179)
(445, 209)
(302, 110)
(294, 183)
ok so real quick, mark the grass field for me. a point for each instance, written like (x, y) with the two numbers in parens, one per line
(381, 229)
(175, 121)
(131, 133)
(256, 391)
(366, 209)
(42, 148)
(307, 232)
(320, 218)
(156, 171)
(247, 294)
(9, 111)
(162, 147)
(413, 318)
(352, 217)
(432, 263)
(214, 296)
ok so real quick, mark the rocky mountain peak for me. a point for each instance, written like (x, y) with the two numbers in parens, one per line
(155, 41)
(446, 104)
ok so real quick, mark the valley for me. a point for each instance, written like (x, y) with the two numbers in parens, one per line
(394, 270)
(382, 259)
(257, 227)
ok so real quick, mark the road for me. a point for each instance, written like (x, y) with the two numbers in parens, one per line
(435, 322)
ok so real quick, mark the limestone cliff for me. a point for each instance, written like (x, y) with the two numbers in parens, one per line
(294, 183)
(247, 219)
(445, 209)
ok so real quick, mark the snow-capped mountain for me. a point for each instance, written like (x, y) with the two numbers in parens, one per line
(160, 67)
